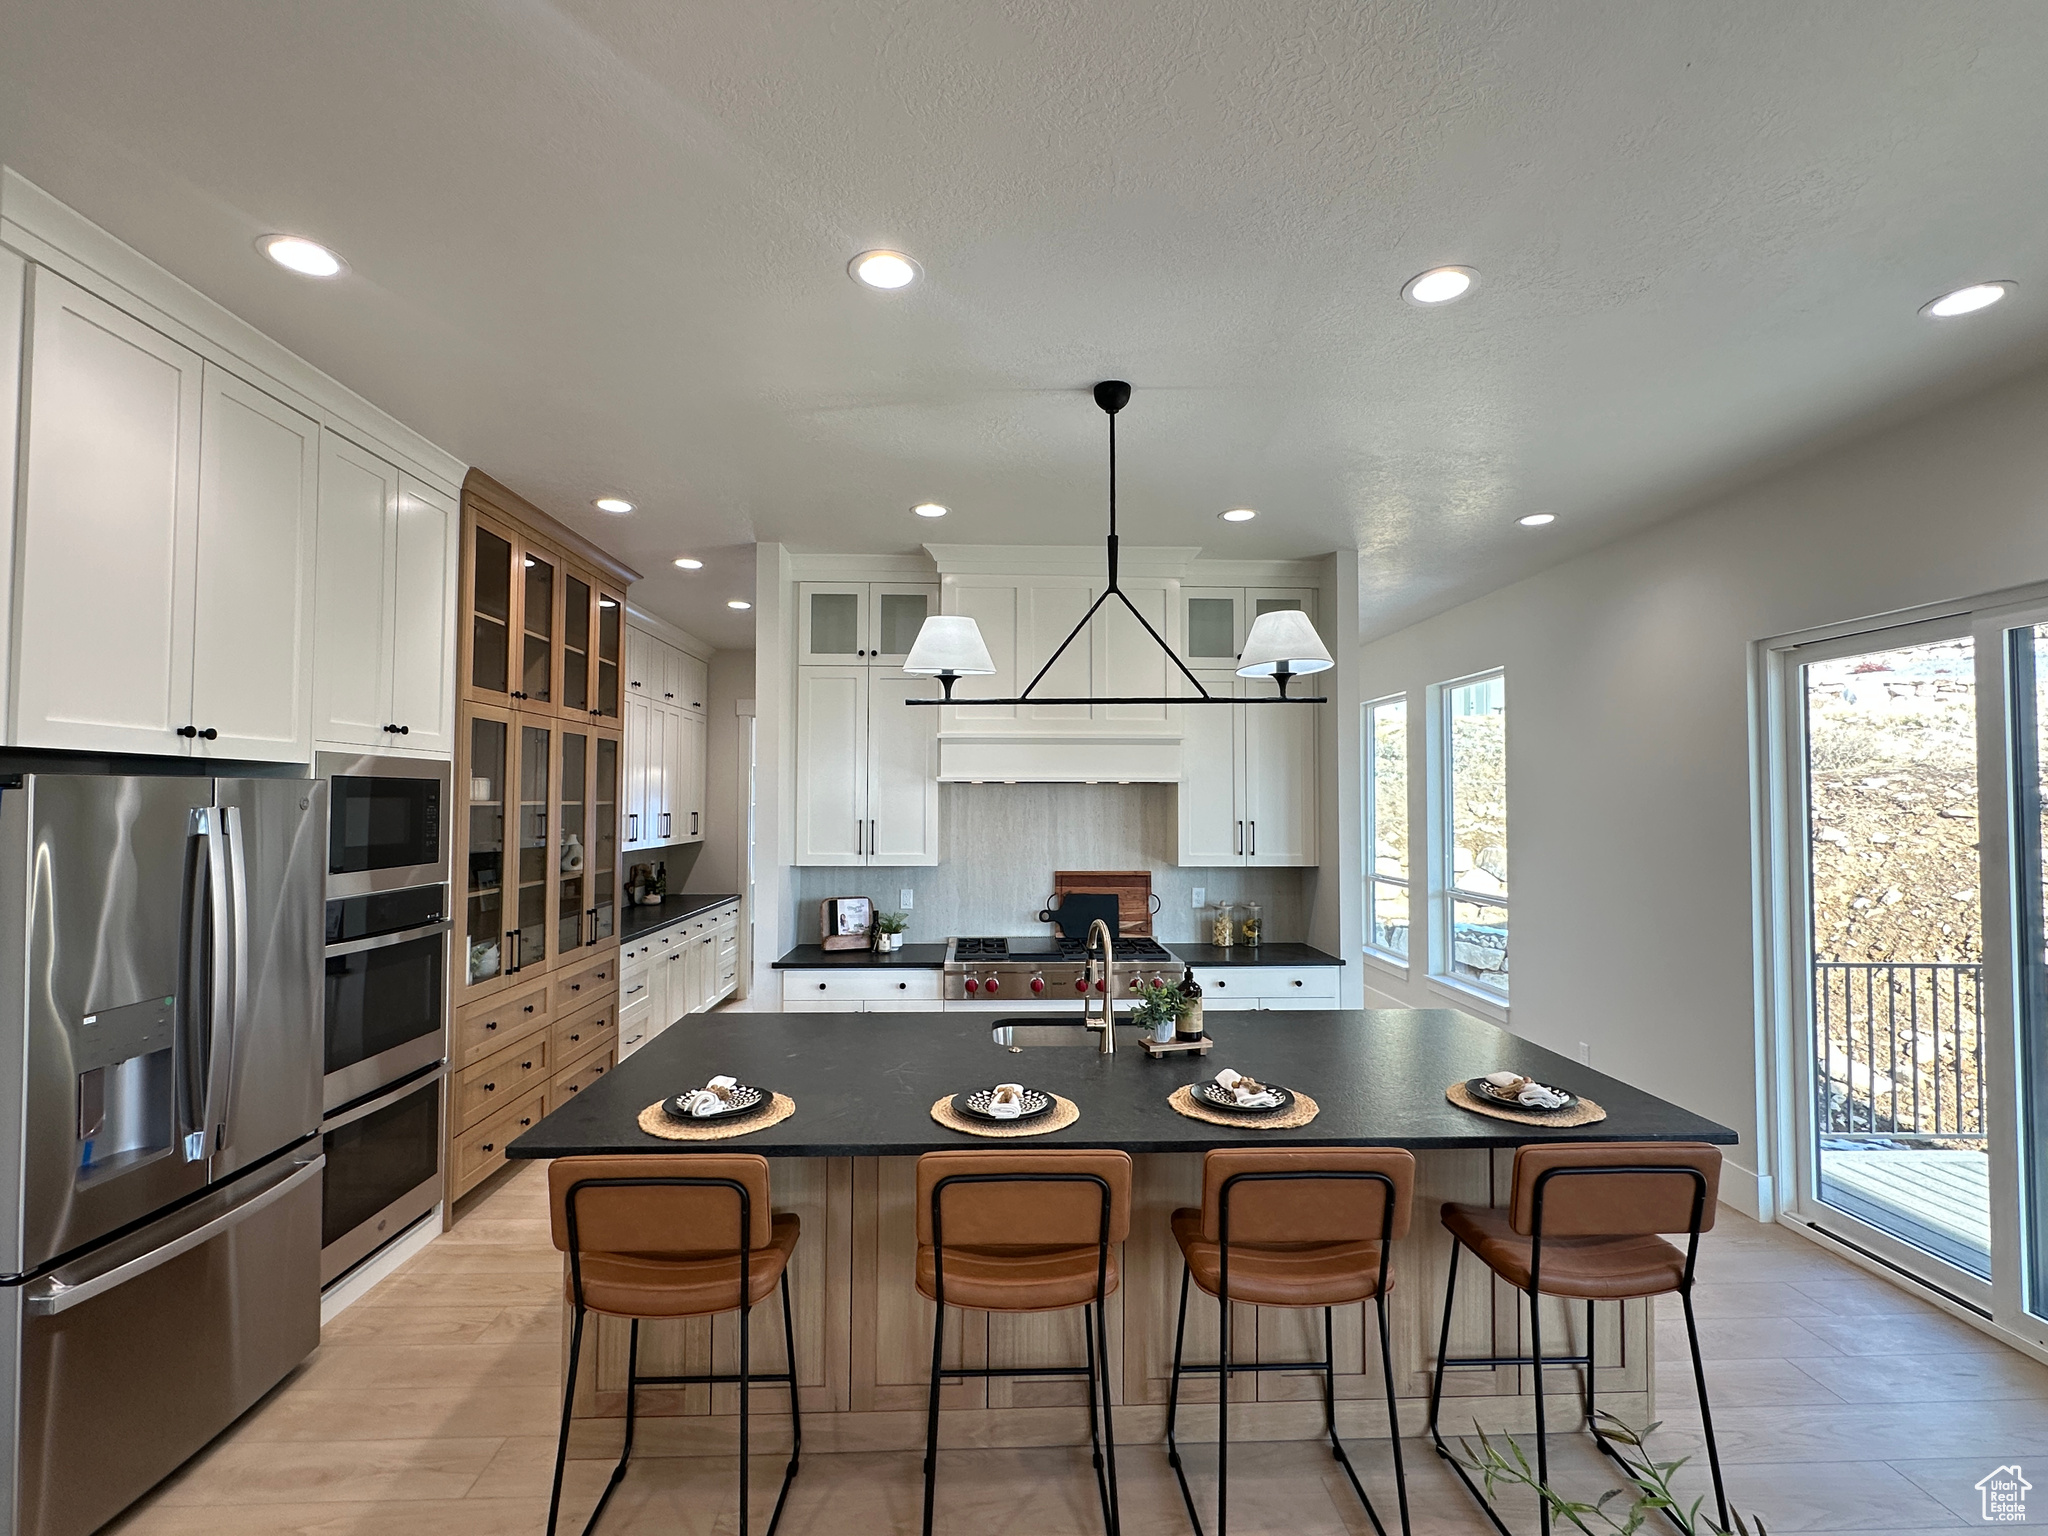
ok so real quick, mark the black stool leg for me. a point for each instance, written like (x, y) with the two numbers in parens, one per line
(1542, 1439)
(931, 1422)
(625, 1451)
(1116, 1518)
(1393, 1412)
(1699, 1376)
(746, 1366)
(1443, 1348)
(1094, 1415)
(568, 1402)
(1223, 1416)
(1180, 1333)
(796, 1423)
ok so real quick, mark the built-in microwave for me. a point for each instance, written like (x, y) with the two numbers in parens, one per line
(386, 822)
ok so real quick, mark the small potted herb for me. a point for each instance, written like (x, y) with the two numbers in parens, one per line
(889, 928)
(1161, 1006)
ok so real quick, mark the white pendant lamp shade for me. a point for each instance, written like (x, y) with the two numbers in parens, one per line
(1283, 644)
(948, 646)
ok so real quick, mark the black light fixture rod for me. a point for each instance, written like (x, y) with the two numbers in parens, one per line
(1158, 698)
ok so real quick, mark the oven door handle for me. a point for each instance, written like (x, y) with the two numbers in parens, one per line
(384, 1100)
(387, 940)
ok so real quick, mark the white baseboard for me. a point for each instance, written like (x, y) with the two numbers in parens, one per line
(360, 1281)
(1747, 1191)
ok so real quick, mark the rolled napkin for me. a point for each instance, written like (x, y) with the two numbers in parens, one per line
(1524, 1090)
(1007, 1102)
(711, 1098)
(1248, 1093)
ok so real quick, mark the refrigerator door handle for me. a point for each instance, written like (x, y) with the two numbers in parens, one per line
(227, 913)
(50, 1296)
(195, 1003)
(238, 975)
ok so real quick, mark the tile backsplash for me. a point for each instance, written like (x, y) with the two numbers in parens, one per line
(1000, 843)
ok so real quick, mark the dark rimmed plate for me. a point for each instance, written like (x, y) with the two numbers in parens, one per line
(1483, 1091)
(1211, 1096)
(745, 1101)
(1037, 1104)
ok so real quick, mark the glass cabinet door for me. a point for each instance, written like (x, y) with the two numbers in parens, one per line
(537, 640)
(491, 595)
(898, 614)
(601, 857)
(611, 612)
(576, 615)
(532, 871)
(834, 622)
(574, 854)
(485, 930)
(1211, 630)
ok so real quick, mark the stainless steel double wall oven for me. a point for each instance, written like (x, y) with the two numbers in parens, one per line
(386, 999)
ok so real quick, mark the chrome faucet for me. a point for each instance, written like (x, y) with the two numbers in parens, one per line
(1101, 980)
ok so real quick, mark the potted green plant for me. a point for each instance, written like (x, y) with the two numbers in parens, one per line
(1161, 1005)
(889, 928)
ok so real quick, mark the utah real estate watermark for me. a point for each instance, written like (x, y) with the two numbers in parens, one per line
(2004, 1491)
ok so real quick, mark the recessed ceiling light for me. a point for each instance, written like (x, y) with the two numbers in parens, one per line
(1439, 285)
(1537, 519)
(612, 504)
(684, 562)
(1239, 515)
(304, 257)
(1966, 301)
(738, 602)
(930, 509)
(884, 269)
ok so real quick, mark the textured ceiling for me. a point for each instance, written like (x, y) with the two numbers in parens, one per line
(601, 245)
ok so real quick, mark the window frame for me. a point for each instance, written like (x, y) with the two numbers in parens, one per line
(1369, 823)
(1445, 893)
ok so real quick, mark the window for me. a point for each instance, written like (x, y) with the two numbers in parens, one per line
(1472, 916)
(1386, 828)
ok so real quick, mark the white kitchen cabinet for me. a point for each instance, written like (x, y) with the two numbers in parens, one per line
(860, 989)
(686, 680)
(1248, 780)
(384, 628)
(185, 500)
(1242, 988)
(638, 724)
(688, 806)
(1215, 620)
(667, 694)
(875, 622)
(110, 507)
(252, 624)
(866, 787)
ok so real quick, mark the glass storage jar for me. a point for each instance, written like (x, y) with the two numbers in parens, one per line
(1249, 924)
(1223, 926)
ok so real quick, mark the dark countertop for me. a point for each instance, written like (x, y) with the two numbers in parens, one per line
(911, 957)
(1246, 954)
(635, 922)
(864, 1084)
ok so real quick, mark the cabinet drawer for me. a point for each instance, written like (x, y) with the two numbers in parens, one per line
(482, 1147)
(852, 985)
(633, 1024)
(637, 986)
(576, 1077)
(578, 1034)
(586, 984)
(488, 1027)
(484, 1089)
(639, 952)
(1294, 983)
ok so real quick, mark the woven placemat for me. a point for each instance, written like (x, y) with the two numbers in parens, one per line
(1585, 1112)
(656, 1123)
(1304, 1110)
(1064, 1113)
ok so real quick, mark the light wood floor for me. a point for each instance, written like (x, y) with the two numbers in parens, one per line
(430, 1407)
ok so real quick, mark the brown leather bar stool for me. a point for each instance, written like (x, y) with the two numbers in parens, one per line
(656, 1244)
(1024, 1231)
(1312, 1228)
(1582, 1222)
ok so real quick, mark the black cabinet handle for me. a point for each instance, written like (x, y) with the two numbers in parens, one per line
(668, 695)
(490, 1026)
(821, 986)
(1297, 983)
(490, 1146)
(188, 731)
(209, 734)
(490, 1087)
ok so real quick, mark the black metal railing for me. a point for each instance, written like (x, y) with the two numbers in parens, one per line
(1899, 1049)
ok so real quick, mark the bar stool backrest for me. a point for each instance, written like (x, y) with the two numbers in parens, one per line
(1018, 1210)
(1306, 1209)
(655, 1215)
(1582, 1198)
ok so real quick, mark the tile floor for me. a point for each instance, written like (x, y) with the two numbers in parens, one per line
(1842, 1404)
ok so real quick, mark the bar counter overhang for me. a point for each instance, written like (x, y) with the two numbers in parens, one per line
(845, 1162)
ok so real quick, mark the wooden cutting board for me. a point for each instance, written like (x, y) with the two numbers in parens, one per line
(1132, 889)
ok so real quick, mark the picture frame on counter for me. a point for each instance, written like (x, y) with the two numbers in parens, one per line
(847, 922)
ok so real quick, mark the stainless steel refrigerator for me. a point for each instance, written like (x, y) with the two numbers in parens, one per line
(160, 1067)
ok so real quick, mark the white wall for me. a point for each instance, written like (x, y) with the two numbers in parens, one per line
(721, 866)
(1629, 720)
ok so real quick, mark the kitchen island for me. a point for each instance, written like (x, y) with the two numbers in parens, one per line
(864, 1085)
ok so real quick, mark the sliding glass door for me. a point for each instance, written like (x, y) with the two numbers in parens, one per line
(1909, 877)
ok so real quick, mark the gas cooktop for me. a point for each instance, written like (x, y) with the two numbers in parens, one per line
(1134, 949)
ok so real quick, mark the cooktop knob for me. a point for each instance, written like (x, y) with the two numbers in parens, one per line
(973, 985)
(1101, 985)
(1038, 983)
(994, 984)
(1080, 984)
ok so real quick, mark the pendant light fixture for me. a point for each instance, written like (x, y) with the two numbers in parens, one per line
(1282, 645)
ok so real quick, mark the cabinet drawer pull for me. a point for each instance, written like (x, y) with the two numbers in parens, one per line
(821, 986)
(902, 986)
(526, 1120)
(490, 1146)
(1297, 981)
(490, 1025)
(527, 1009)
(526, 1066)
(490, 1087)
